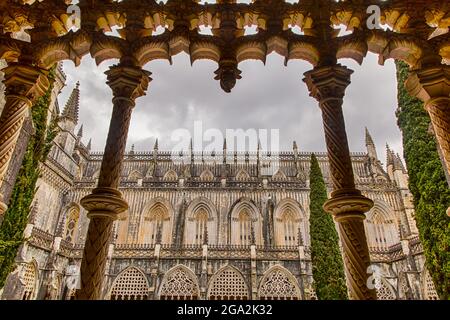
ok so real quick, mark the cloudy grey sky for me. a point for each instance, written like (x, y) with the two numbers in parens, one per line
(267, 97)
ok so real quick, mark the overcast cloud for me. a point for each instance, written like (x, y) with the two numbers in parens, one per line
(267, 97)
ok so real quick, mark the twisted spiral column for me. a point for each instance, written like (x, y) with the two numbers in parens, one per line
(23, 85)
(106, 203)
(327, 85)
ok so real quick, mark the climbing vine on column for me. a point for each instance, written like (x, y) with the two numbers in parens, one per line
(427, 183)
(16, 217)
(328, 268)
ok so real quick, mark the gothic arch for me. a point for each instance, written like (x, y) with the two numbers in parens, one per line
(429, 291)
(228, 283)
(179, 283)
(201, 216)
(381, 227)
(242, 175)
(130, 284)
(30, 276)
(385, 291)
(171, 176)
(135, 175)
(156, 217)
(71, 222)
(278, 283)
(207, 175)
(289, 219)
(279, 175)
(244, 219)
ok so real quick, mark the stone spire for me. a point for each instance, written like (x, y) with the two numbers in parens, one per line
(398, 163)
(370, 145)
(89, 145)
(389, 156)
(73, 104)
(80, 132)
(294, 146)
(155, 147)
(132, 149)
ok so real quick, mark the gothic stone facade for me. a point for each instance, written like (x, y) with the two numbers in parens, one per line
(208, 228)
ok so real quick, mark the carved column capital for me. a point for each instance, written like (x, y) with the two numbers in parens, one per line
(431, 84)
(128, 82)
(104, 202)
(25, 82)
(347, 206)
(328, 82)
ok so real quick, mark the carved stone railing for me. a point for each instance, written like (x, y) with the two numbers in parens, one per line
(41, 239)
(66, 248)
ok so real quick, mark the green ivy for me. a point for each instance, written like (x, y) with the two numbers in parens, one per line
(327, 265)
(427, 183)
(16, 216)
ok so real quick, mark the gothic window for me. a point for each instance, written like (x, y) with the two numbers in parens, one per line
(384, 291)
(245, 227)
(245, 224)
(156, 223)
(428, 288)
(170, 175)
(70, 229)
(135, 175)
(30, 281)
(279, 175)
(201, 220)
(228, 284)
(278, 284)
(207, 176)
(288, 226)
(130, 284)
(179, 284)
(242, 175)
(380, 226)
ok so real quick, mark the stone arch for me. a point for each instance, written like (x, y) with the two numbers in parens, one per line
(200, 214)
(429, 290)
(242, 175)
(71, 222)
(207, 175)
(130, 284)
(278, 283)
(228, 283)
(171, 176)
(381, 227)
(279, 175)
(289, 219)
(156, 217)
(179, 283)
(384, 290)
(135, 175)
(245, 219)
(30, 276)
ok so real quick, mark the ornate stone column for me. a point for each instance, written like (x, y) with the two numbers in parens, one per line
(327, 85)
(431, 84)
(106, 203)
(23, 85)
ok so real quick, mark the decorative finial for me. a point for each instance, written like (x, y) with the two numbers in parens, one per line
(72, 106)
(80, 132)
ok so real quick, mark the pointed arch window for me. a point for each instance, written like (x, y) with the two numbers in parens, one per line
(245, 227)
(290, 226)
(70, 230)
(131, 284)
(228, 284)
(156, 222)
(279, 284)
(201, 225)
(30, 281)
(179, 284)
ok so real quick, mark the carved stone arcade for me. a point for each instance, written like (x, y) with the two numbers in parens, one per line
(418, 35)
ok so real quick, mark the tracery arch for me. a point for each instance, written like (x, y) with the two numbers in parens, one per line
(71, 225)
(156, 221)
(245, 224)
(207, 175)
(429, 290)
(170, 176)
(135, 175)
(201, 222)
(30, 280)
(130, 284)
(242, 175)
(380, 225)
(228, 284)
(384, 290)
(290, 223)
(278, 283)
(179, 283)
